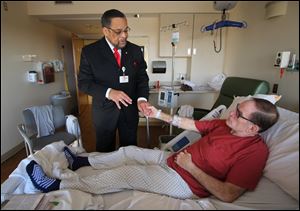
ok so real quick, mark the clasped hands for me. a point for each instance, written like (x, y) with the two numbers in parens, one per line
(121, 97)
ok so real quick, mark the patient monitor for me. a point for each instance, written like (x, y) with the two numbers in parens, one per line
(167, 98)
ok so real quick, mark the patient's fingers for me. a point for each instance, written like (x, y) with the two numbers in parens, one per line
(152, 111)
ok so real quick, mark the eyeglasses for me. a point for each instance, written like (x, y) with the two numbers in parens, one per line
(118, 32)
(239, 114)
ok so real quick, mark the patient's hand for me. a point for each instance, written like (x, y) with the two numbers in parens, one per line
(153, 112)
(184, 160)
(143, 107)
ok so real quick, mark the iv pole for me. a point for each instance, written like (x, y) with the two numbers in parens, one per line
(172, 83)
(175, 39)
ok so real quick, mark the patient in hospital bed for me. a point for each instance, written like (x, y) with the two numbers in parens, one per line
(228, 160)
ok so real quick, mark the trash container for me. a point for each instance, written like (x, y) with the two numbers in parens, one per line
(164, 139)
(64, 99)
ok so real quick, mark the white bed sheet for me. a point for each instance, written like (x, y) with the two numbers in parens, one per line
(266, 196)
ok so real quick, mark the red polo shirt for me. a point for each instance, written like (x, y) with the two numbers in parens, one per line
(237, 160)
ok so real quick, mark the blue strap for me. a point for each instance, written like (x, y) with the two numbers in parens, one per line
(225, 23)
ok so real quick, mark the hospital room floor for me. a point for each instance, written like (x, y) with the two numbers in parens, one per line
(89, 141)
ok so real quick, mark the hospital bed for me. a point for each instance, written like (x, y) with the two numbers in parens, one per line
(277, 189)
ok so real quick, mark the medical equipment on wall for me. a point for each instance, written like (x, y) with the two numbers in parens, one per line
(45, 72)
(222, 6)
(167, 98)
(32, 76)
(174, 41)
(58, 65)
(282, 61)
(159, 66)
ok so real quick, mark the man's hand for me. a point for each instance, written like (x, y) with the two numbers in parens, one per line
(119, 96)
(224, 191)
(153, 112)
(184, 160)
(143, 107)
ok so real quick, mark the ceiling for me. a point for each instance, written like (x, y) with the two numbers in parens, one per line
(84, 26)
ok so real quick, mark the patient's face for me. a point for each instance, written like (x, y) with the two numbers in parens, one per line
(239, 119)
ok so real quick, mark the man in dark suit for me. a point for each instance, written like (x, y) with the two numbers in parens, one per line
(119, 88)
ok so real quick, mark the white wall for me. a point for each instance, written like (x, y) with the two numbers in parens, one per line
(20, 35)
(251, 52)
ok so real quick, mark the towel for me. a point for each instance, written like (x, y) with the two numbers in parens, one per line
(186, 111)
(43, 117)
(72, 125)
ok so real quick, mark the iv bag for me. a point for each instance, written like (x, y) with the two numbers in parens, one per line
(175, 37)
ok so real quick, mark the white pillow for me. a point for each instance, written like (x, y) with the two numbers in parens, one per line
(262, 198)
(283, 163)
(239, 99)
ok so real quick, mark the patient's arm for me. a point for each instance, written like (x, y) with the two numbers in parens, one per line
(224, 191)
(184, 123)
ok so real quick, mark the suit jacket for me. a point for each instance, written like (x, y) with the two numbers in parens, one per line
(99, 71)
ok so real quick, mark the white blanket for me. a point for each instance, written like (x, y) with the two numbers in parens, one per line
(54, 163)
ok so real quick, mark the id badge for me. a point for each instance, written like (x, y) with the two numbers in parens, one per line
(124, 79)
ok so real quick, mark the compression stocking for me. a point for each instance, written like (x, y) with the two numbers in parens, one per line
(75, 162)
(40, 180)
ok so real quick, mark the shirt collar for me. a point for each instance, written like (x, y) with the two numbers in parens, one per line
(111, 46)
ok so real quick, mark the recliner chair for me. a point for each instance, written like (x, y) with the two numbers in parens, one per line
(29, 131)
(235, 86)
(231, 87)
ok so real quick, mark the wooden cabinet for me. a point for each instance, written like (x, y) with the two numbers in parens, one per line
(185, 29)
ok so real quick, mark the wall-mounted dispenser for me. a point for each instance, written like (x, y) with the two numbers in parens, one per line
(32, 76)
(159, 66)
(45, 72)
(282, 59)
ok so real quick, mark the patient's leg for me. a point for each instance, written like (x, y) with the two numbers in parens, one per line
(75, 162)
(40, 180)
(129, 155)
(151, 178)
